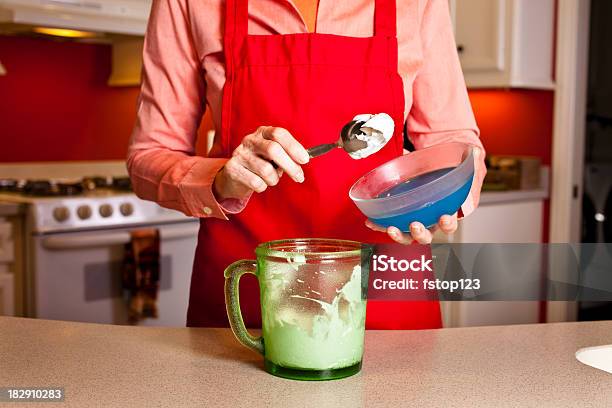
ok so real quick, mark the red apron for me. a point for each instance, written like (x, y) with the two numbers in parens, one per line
(311, 84)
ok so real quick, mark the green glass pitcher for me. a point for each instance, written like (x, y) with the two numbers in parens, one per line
(313, 306)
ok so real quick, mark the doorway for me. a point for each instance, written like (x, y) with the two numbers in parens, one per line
(597, 195)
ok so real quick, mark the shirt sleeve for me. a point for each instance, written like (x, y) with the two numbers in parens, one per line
(161, 156)
(441, 111)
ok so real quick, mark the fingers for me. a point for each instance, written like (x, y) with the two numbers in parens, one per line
(393, 232)
(264, 144)
(266, 174)
(251, 167)
(398, 236)
(294, 149)
(422, 237)
(375, 227)
(274, 152)
(420, 234)
(241, 178)
(448, 223)
(262, 168)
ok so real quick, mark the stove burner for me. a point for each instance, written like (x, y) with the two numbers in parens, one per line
(122, 184)
(69, 189)
(96, 182)
(38, 188)
(10, 185)
(65, 187)
(45, 188)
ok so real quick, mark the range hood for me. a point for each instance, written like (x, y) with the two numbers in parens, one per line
(122, 17)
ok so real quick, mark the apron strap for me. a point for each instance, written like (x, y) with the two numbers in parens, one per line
(236, 29)
(236, 21)
(236, 26)
(385, 23)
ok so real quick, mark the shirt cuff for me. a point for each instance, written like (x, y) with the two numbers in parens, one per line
(197, 191)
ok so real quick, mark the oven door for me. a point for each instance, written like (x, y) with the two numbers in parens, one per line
(76, 276)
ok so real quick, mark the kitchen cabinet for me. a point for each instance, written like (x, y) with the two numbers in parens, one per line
(12, 265)
(503, 222)
(502, 217)
(7, 284)
(505, 43)
(7, 290)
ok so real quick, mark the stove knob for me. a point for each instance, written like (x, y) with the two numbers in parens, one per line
(106, 210)
(61, 214)
(84, 212)
(126, 209)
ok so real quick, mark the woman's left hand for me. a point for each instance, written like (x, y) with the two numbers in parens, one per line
(418, 232)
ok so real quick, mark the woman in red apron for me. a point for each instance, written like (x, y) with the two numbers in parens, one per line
(304, 87)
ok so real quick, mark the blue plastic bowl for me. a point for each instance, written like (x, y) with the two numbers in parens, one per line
(420, 186)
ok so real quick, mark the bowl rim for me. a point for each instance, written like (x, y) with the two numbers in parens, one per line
(466, 162)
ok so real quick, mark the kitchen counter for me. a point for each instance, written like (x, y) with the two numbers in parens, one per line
(526, 366)
(497, 197)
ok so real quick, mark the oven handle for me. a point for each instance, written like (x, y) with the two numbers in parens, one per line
(97, 239)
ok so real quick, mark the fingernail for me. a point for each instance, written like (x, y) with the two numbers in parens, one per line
(300, 178)
(305, 158)
(446, 221)
(417, 228)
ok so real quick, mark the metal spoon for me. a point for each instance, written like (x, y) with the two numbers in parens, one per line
(348, 140)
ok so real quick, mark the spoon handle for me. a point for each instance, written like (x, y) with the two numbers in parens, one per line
(320, 150)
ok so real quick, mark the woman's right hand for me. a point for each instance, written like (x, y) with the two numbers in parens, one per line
(251, 166)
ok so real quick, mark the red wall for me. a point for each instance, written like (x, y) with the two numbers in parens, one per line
(515, 121)
(55, 105)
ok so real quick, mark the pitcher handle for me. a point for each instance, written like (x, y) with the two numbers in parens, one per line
(232, 274)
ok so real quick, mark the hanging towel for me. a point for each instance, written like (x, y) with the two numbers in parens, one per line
(140, 275)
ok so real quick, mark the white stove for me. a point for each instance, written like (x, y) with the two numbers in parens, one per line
(93, 210)
(74, 249)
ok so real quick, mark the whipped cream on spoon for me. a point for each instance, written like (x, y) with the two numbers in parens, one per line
(365, 135)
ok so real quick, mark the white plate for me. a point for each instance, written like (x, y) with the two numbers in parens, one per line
(597, 357)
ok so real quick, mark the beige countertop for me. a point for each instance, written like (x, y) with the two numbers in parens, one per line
(503, 197)
(505, 366)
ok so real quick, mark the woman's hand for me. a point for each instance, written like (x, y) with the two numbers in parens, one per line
(418, 233)
(251, 165)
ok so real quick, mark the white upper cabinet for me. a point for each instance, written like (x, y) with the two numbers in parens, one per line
(505, 43)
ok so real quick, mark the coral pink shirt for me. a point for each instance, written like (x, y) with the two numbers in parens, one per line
(184, 72)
